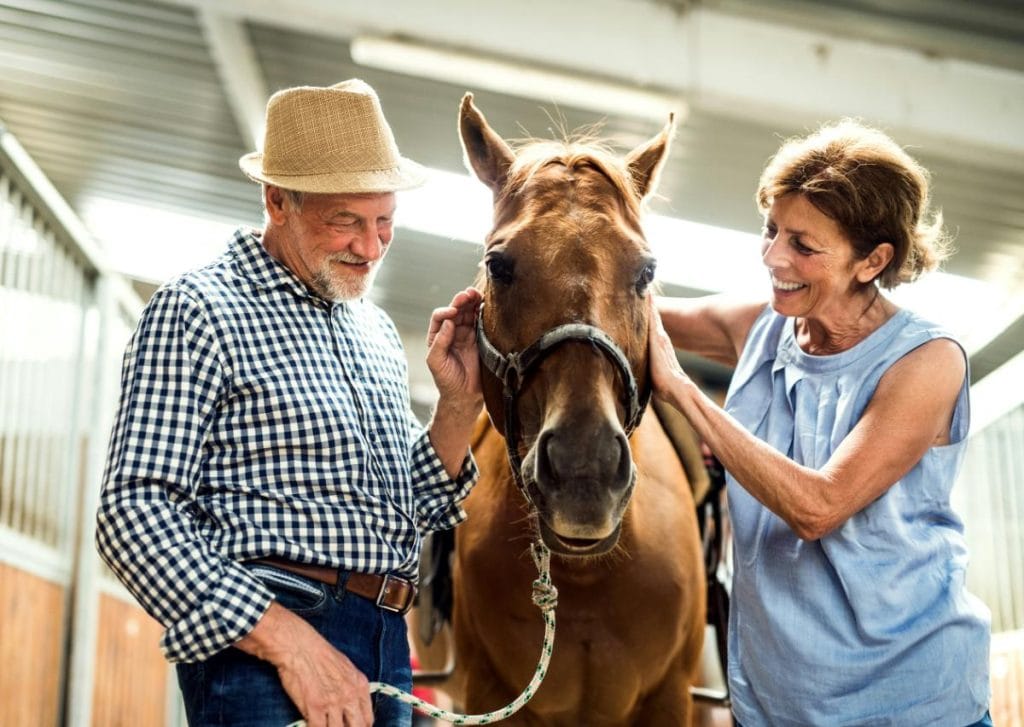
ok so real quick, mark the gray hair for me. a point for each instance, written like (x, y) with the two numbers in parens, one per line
(295, 197)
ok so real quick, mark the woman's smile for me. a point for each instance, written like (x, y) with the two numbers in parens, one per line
(786, 286)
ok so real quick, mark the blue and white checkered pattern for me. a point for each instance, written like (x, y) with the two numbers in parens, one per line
(257, 419)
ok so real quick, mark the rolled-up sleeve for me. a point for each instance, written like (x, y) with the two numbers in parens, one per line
(438, 496)
(173, 377)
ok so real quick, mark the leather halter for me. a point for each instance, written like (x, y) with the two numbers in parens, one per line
(511, 370)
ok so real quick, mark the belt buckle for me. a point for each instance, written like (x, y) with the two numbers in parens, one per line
(384, 591)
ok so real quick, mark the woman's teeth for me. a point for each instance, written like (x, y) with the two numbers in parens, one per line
(782, 285)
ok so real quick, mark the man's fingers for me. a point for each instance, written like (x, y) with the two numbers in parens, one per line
(462, 310)
(437, 319)
(367, 710)
(442, 339)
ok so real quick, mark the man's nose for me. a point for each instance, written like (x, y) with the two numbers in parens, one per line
(372, 242)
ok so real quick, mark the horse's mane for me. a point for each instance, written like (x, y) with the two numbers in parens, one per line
(581, 151)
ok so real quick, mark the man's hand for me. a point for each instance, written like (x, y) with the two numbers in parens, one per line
(322, 682)
(451, 347)
(454, 362)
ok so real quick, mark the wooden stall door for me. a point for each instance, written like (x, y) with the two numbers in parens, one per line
(31, 618)
(1008, 679)
(131, 673)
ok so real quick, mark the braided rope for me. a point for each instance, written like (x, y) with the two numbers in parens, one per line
(545, 596)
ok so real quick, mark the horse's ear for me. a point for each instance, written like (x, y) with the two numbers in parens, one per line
(647, 160)
(486, 153)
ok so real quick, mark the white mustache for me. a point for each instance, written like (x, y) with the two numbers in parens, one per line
(347, 257)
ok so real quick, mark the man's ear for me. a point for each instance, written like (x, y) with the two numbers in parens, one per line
(274, 200)
(876, 261)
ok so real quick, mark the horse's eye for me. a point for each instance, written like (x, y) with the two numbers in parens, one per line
(645, 278)
(499, 268)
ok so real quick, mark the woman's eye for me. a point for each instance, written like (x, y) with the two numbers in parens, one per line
(499, 269)
(645, 278)
(801, 248)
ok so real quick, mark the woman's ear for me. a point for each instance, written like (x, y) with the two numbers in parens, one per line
(876, 261)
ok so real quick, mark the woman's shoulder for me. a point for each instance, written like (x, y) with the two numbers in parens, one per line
(915, 333)
(923, 349)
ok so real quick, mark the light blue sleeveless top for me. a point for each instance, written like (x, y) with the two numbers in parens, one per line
(872, 624)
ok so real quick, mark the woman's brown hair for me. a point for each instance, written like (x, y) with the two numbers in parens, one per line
(870, 186)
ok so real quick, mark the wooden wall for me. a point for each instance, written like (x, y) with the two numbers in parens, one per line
(131, 673)
(1007, 665)
(31, 627)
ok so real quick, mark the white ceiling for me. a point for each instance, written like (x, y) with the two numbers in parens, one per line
(151, 104)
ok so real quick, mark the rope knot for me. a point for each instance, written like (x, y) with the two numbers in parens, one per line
(545, 595)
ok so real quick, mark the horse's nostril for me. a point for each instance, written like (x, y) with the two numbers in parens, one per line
(600, 454)
(545, 473)
(625, 470)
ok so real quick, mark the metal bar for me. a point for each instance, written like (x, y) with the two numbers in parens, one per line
(96, 413)
(23, 274)
(60, 493)
(53, 502)
(36, 504)
(36, 388)
(8, 201)
(78, 400)
(1014, 561)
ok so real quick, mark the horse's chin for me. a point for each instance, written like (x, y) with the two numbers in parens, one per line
(577, 547)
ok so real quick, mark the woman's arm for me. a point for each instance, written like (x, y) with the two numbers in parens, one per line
(910, 411)
(713, 326)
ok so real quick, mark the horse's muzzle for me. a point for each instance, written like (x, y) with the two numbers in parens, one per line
(577, 547)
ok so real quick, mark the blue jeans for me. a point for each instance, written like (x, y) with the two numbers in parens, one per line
(233, 688)
(985, 721)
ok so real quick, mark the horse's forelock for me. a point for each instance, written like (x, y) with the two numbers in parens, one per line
(574, 154)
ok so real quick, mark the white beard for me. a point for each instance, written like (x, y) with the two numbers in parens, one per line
(335, 284)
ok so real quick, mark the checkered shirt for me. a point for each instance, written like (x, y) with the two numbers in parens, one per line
(257, 419)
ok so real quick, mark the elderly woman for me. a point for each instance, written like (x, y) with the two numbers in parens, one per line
(843, 430)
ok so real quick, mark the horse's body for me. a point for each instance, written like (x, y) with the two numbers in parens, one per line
(613, 505)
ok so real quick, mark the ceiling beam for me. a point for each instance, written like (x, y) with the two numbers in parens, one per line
(238, 70)
(998, 351)
(725, 63)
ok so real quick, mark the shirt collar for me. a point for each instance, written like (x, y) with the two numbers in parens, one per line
(260, 267)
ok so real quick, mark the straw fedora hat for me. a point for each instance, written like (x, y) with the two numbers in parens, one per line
(332, 140)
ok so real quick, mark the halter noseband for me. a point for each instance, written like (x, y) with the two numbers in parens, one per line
(512, 369)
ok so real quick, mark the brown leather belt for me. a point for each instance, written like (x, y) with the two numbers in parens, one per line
(392, 593)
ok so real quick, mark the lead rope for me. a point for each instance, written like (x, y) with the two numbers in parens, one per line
(545, 596)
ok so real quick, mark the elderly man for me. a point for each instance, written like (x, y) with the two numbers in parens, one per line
(267, 485)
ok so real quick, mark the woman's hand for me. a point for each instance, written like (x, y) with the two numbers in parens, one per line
(666, 373)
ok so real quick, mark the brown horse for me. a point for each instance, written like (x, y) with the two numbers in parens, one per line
(568, 453)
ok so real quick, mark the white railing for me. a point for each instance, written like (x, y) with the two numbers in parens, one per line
(64, 321)
(45, 296)
(990, 497)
